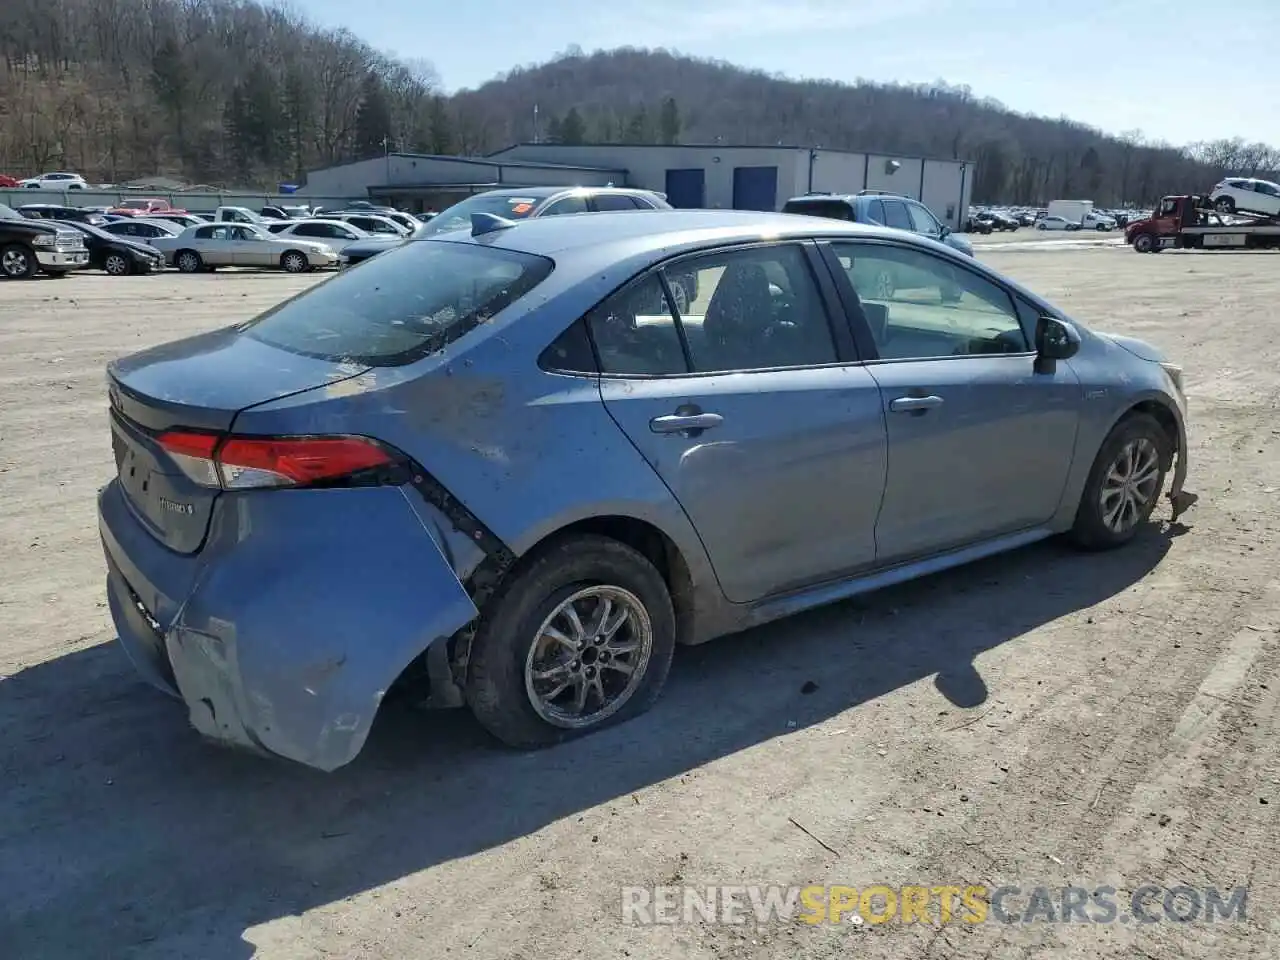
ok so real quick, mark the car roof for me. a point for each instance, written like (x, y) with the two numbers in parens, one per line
(659, 230)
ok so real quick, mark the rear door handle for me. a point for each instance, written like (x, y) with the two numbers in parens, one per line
(914, 404)
(682, 422)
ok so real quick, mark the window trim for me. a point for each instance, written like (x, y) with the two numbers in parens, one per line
(845, 348)
(858, 321)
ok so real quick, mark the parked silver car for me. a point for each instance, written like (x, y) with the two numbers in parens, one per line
(241, 245)
(507, 462)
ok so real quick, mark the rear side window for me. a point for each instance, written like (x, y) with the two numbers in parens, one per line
(613, 201)
(402, 305)
(830, 209)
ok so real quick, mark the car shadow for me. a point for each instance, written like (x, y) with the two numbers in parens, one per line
(121, 829)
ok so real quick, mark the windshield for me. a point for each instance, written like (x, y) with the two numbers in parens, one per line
(458, 216)
(402, 305)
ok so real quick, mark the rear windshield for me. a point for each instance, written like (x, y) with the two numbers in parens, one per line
(505, 205)
(403, 305)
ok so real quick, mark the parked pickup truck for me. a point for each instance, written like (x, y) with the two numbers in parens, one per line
(28, 247)
(142, 207)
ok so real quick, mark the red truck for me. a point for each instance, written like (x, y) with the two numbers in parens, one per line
(143, 206)
(1189, 222)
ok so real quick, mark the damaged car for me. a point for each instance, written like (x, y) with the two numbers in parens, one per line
(512, 468)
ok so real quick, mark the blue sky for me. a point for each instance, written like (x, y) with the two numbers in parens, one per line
(1115, 64)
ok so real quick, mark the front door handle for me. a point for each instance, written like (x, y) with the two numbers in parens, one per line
(914, 404)
(685, 422)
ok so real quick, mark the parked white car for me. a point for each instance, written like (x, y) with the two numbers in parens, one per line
(372, 223)
(1056, 223)
(55, 181)
(1246, 195)
(334, 233)
(242, 245)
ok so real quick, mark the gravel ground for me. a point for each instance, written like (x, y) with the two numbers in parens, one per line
(1042, 718)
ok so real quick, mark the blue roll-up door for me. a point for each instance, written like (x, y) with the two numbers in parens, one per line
(687, 189)
(755, 188)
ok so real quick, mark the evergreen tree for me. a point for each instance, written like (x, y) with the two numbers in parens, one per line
(573, 130)
(373, 118)
(669, 121)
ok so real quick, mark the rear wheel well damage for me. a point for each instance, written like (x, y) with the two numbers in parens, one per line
(441, 670)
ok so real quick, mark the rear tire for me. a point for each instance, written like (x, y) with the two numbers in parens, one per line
(515, 636)
(188, 261)
(1124, 484)
(1225, 205)
(17, 262)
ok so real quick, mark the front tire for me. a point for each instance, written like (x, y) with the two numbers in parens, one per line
(1124, 483)
(116, 265)
(294, 262)
(1225, 205)
(1144, 243)
(188, 261)
(18, 262)
(581, 637)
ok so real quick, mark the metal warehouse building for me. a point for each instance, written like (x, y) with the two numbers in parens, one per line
(705, 175)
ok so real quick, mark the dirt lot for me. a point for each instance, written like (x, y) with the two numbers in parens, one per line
(1041, 718)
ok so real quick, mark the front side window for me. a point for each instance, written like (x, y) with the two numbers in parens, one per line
(920, 305)
(922, 220)
(401, 305)
(895, 215)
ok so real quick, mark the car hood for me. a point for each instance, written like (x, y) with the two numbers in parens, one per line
(135, 246)
(1139, 348)
(374, 245)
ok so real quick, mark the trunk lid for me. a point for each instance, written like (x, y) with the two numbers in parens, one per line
(200, 383)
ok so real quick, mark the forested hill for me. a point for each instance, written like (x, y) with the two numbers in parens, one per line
(231, 92)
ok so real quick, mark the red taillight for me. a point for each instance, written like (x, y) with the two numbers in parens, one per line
(240, 463)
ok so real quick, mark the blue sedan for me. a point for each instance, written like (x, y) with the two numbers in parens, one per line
(518, 464)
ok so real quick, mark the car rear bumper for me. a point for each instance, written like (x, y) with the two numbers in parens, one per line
(284, 633)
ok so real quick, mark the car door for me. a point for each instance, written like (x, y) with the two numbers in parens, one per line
(255, 248)
(980, 444)
(1268, 199)
(752, 408)
(217, 245)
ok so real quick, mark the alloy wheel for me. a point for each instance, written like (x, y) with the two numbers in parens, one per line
(588, 657)
(1130, 485)
(116, 265)
(14, 263)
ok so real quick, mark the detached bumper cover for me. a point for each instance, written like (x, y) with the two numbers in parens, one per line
(307, 608)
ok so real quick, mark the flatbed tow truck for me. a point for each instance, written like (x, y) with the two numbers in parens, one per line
(1190, 222)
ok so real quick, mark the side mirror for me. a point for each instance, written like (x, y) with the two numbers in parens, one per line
(944, 232)
(1055, 340)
